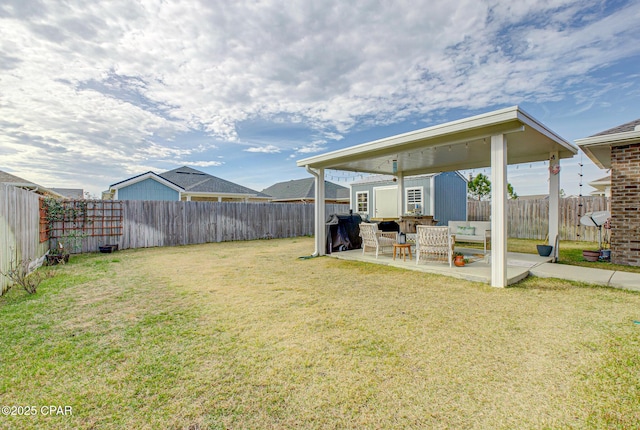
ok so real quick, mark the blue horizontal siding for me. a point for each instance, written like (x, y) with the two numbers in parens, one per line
(450, 198)
(148, 189)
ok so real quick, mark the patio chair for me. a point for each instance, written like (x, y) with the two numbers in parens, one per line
(376, 239)
(434, 242)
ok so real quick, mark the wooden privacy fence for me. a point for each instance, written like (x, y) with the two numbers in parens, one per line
(164, 223)
(19, 229)
(529, 219)
(24, 227)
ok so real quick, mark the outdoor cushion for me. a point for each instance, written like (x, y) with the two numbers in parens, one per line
(467, 231)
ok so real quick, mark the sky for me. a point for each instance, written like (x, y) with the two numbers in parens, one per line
(94, 92)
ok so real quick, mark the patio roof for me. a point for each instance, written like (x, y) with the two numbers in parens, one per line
(456, 145)
(495, 139)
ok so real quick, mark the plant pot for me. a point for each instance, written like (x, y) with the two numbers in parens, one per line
(107, 249)
(458, 260)
(590, 255)
(544, 250)
(52, 260)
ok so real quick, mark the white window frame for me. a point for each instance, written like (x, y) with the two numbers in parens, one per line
(407, 202)
(367, 202)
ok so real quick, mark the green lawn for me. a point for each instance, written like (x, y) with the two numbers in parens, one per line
(248, 335)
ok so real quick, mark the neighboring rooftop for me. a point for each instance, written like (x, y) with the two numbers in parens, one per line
(70, 193)
(630, 126)
(192, 182)
(304, 190)
(16, 181)
(195, 181)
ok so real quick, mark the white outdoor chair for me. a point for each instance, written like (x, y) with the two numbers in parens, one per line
(434, 242)
(376, 239)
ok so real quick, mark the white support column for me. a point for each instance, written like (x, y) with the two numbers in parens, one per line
(321, 217)
(554, 200)
(401, 193)
(498, 211)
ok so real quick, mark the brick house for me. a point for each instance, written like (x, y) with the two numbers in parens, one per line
(618, 149)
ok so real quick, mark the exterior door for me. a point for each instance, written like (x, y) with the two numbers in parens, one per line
(386, 202)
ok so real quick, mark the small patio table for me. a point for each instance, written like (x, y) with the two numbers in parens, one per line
(403, 247)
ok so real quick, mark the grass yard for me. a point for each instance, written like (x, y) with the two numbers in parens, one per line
(247, 335)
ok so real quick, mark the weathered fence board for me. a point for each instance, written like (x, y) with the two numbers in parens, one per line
(162, 223)
(19, 229)
(529, 219)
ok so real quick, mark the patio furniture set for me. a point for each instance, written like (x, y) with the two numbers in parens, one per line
(431, 242)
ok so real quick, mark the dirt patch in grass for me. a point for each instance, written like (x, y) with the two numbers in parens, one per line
(247, 335)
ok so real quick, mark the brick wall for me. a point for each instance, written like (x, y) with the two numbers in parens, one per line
(625, 204)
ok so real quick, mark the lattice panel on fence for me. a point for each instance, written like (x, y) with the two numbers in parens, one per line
(44, 224)
(91, 217)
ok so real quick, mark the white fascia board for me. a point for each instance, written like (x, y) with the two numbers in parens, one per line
(528, 120)
(487, 119)
(609, 139)
(144, 177)
(598, 150)
(501, 121)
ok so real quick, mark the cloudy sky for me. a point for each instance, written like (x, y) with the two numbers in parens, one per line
(93, 92)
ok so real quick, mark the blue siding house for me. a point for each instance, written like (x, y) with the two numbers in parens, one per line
(181, 184)
(442, 196)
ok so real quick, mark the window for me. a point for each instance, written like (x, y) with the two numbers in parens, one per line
(414, 201)
(362, 202)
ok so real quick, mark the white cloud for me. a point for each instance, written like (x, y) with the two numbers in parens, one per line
(312, 148)
(118, 84)
(269, 149)
(204, 163)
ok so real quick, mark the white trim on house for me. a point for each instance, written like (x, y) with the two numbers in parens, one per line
(144, 177)
(598, 148)
(367, 202)
(406, 200)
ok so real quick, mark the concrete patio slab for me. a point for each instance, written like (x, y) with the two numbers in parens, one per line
(518, 265)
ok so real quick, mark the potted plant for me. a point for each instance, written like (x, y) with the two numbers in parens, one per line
(57, 255)
(60, 249)
(544, 250)
(458, 259)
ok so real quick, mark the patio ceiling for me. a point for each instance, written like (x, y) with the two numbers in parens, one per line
(456, 145)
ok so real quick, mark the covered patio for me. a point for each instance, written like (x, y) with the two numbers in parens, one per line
(495, 139)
